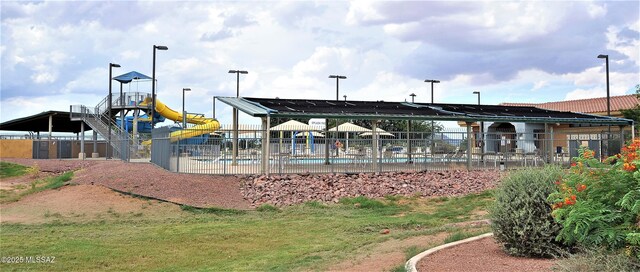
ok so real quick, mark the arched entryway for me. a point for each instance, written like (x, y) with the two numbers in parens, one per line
(501, 137)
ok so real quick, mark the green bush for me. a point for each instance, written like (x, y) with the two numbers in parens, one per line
(521, 215)
(598, 203)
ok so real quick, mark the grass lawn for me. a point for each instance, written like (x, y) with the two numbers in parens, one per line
(311, 236)
(8, 169)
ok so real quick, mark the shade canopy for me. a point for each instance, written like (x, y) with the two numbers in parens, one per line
(130, 76)
(306, 133)
(293, 125)
(379, 132)
(349, 127)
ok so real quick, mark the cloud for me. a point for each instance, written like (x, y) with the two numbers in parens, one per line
(216, 36)
(478, 37)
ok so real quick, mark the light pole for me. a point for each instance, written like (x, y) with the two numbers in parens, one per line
(184, 113)
(111, 65)
(338, 78)
(480, 141)
(235, 118)
(214, 107)
(432, 81)
(432, 128)
(413, 96)
(606, 59)
(153, 84)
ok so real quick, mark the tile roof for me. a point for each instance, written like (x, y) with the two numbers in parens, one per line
(591, 105)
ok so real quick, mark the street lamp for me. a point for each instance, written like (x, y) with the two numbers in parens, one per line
(481, 128)
(338, 78)
(111, 66)
(153, 83)
(432, 81)
(432, 124)
(413, 96)
(345, 97)
(235, 117)
(606, 59)
(184, 113)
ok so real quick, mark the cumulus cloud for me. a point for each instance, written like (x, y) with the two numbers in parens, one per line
(510, 51)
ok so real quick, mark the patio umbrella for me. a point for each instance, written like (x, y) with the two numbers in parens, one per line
(349, 127)
(293, 125)
(379, 132)
(306, 133)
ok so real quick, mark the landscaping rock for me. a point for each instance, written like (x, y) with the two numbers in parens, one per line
(293, 189)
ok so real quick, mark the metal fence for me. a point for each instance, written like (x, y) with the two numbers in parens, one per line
(291, 152)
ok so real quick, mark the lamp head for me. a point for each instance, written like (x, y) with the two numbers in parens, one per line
(601, 56)
(114, 65)
(238, 71)
(432, 80)
(337, 76)
(160, 47)
(186, 89)
(476, 92)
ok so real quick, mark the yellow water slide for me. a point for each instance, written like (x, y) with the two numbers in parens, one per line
(203, 125)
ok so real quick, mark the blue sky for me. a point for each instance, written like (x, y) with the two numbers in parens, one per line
(56, 54)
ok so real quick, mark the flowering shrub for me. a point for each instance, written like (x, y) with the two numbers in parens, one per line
(598, 203)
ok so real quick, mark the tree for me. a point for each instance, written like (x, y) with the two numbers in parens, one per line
(634, 113)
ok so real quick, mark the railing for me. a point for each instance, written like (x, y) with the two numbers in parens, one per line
(397, 151)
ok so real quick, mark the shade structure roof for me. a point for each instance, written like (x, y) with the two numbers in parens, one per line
(349, 127)
(60, 122)
(293, 125)
(130, 76)
(306, 133)
(379, 132)
(376, 110)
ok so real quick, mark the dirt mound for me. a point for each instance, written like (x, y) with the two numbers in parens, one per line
(149, 180)
(81, 203)
(55, 166)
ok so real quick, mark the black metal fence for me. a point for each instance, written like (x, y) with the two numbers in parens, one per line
(291, 152)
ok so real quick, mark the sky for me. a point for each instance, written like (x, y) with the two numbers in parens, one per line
(57, 53)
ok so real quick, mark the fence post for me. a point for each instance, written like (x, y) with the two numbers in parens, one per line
(468, 145)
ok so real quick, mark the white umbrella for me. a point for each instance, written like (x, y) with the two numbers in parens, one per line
(293, 125)
(305, 133)
(349, 127)
(379, 132)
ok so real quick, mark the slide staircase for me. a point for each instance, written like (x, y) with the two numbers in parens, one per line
(99, 120)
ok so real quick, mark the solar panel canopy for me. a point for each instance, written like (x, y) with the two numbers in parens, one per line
(305, 108)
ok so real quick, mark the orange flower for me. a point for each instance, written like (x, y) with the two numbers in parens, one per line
(581, 187)
(629, 167)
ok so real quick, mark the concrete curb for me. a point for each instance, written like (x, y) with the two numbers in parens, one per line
(410, 265)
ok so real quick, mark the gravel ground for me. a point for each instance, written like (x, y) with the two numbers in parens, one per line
(481, 255)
